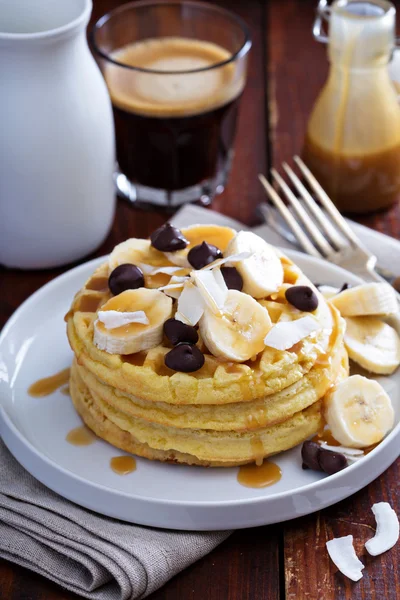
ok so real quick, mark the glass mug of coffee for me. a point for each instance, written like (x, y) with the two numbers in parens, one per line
(175, 72)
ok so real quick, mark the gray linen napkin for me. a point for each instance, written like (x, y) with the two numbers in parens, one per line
(91, 555)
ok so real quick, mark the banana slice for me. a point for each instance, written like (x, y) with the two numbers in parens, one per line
(237, 333)
(196, 234)
(359, 412)
(377, 299)
(373, 344)
(262, 272)
(138, 252)
(135, 336)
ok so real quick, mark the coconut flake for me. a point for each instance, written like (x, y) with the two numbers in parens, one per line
(227, 259)
(212, 288)
(342, 449)
(387, 529)
(343, 555)
(174, 287)
(284, 335)
(219, 278)
(115, 318)
(149, 270)
(146, 269)
(178, 279)
(190, 305)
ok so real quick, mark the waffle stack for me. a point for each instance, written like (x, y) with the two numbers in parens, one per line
(233, 408)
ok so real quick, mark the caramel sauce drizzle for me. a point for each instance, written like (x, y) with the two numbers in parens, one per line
(89, 303)
(233, 369)
(80, 436)
(137, 359)
(48, 385)
(260, 476)
(258, 449)
(98, 284)
(325, 437)
(123, 465)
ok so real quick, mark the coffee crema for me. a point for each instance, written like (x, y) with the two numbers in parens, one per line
(172, 90)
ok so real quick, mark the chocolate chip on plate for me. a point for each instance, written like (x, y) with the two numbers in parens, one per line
(309, 454)
(331, 462)
(233, 278)
(184, 357)
(316, 457)
(203, 254)
(302, 297)
(125, 277)
(344, 287)
(178, 332)
(168, 238)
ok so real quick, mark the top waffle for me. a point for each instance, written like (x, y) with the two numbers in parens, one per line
(249, 345)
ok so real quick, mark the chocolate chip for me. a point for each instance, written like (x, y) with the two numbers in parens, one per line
(233, 278)
(309, 454)
(302, 297)
(168, 239)
(185, 358)
(344, 287)
(178, 332)
(315, 457)
(203, 254)
(331, 462)
(125, 277)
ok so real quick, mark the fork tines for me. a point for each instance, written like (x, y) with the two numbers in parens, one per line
(321, 232)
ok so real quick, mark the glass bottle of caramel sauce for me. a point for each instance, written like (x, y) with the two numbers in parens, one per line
(352, 143)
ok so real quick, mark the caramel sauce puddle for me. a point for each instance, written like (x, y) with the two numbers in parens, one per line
(261, 476)
(48, 385)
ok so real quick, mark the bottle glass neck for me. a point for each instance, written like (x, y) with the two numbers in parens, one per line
(361, 34)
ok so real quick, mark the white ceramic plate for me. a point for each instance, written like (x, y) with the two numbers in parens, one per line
(33, 345)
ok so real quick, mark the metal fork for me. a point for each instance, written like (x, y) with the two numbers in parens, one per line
(320, 233)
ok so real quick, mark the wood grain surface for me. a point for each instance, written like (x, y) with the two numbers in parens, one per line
(289, 561)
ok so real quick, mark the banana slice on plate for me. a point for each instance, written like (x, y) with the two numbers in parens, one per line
(196, 234)
(236, 332)
(137, 252)
(375, 299)
(262, 272)
(359, 412)
(372, 344)
(139, 334)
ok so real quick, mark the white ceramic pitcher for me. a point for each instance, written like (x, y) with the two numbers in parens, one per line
(57, 136)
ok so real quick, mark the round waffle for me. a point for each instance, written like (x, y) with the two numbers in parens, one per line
(208, 447)
(225, 413)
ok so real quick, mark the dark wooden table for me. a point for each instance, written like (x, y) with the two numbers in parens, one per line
(289, 561)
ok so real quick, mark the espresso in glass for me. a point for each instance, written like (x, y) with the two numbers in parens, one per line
(175, 101)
